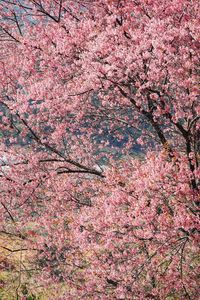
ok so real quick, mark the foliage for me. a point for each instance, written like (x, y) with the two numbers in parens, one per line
(73, 74)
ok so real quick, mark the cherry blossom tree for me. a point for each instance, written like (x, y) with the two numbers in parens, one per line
(72, 71)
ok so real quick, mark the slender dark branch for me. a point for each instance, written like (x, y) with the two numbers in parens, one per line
(193, 122)
(150, 118)
(21, 236)
(44, 12)
(68, 171)
(60, 10)
(113, 118)
(54, 150)
(18, 250)
(68, 10)
(9, 34)
(17, 22)
(9, 213)
(51, 160)
(79, 94)
(185, 133)
(14, 164)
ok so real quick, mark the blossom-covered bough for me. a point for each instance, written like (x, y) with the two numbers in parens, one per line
(73, 72)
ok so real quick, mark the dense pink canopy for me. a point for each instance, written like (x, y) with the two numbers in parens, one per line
(73, 71)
